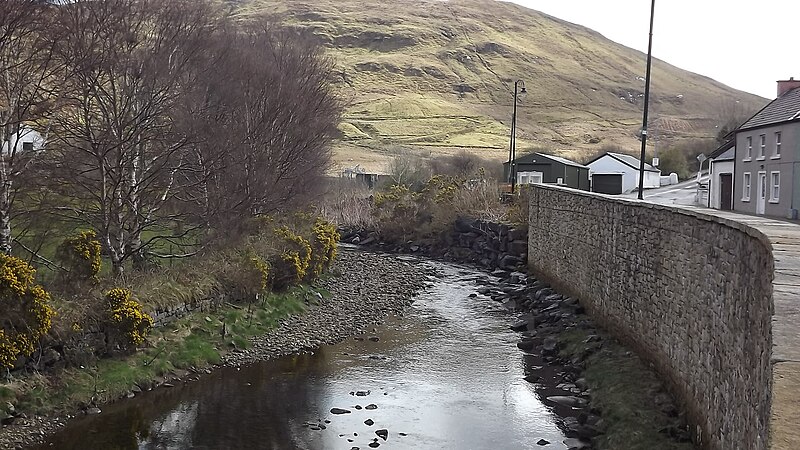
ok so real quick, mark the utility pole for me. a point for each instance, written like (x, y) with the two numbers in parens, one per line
(646, 101)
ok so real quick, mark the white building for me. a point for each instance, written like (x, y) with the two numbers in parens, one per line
(617, 173)
(720, 182)
(26, 140)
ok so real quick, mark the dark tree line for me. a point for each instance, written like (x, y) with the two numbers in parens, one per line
(159, 117)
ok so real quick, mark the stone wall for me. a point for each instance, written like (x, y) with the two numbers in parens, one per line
(689, 292)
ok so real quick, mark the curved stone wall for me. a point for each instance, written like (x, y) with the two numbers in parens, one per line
(691, 293)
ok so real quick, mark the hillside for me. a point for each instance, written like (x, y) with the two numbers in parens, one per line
(433, 77)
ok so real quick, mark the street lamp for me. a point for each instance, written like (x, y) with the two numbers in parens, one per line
(646, 101)
(519, 88)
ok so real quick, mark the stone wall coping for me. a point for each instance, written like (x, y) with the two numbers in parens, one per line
(686, 211)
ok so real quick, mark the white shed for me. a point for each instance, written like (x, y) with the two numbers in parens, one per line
(617, 173)
(720, 183)
(26, 140)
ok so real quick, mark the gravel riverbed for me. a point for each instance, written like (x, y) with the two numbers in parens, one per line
(365, 289)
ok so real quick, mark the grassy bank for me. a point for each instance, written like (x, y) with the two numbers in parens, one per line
(191, 343)
(637, 412)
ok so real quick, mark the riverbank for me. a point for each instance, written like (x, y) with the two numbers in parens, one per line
(362, 290)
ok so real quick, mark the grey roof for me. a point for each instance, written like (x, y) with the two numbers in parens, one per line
(723, 151)
(727, 155)
(529, 156)
(783, 109)
(628, 160)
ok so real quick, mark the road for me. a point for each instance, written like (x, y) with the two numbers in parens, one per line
(684, 193)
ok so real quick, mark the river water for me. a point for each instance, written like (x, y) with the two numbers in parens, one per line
(447, 375)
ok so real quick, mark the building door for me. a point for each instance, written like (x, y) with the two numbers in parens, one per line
(761, 200)
(607, 183)
(726, 191)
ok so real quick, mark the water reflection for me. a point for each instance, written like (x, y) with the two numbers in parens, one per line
(447, 376)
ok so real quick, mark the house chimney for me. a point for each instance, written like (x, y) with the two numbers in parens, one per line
(785, 86)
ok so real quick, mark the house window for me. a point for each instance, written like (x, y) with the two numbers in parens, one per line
(746, 187)
(777, 144)
(775, 187)
(749, 154)
(762, 149)
(27, 146)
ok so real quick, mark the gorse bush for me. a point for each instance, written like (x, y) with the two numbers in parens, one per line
(294, 259)
(402, 213)
(126, 318)
(25, 313)
(80, 255)
(324, 241)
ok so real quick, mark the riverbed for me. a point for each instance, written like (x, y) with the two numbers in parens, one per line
(445, 375)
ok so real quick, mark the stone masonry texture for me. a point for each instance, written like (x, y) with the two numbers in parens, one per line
(689, 292)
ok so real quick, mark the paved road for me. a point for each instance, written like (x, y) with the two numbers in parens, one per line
(684, 193)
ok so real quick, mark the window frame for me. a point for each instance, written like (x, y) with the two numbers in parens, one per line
(762, 147)
(747, 186)
(775, 175)
(749, 155)
(777, 153)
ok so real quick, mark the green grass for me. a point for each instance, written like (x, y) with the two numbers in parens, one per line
(194, 341)
(623, 388)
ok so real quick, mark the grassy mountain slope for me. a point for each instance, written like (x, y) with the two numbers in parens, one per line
(433, 77)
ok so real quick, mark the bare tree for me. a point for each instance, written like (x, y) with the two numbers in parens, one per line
(120, 151)
(29, 86)
(265, 118)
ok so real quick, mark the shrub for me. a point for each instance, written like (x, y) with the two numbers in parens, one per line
(293, 259)
(126, 317)
(25, 313)
(80, 255)
(325, 238)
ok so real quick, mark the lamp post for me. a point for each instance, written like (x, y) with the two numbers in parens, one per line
(646, 101)
(519, 88)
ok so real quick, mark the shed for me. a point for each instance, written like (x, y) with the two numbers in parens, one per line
(615, 173)
(721, 181)
(543, 168)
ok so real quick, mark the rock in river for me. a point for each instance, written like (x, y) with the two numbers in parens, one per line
(339, 411)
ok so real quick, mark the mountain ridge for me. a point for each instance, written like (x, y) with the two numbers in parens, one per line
(432, 78)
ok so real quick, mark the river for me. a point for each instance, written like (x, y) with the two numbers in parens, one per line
(447, 375)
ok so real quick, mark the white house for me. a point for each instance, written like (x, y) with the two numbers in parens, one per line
(720, 183)
(26, 140)
(617, 173)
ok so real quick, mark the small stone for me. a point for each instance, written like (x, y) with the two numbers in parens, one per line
(357, 407)
(362, 393)
(521, 325)
(572, 402)
(93, 411)
(382, 433)
(339, 411)
(374, 339)
(371, 406)
(543, 442)
(526, 345)
(532, 378)
(374, 444)
(369, 422)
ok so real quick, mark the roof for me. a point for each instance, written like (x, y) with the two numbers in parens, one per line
(722, 150)
(785, 108)
(628, 160)
(529, 158)
(727, 155)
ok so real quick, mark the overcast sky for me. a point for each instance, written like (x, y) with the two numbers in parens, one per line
(747, 45)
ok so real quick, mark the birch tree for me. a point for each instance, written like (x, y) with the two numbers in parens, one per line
(121, 154)
(29, 87)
